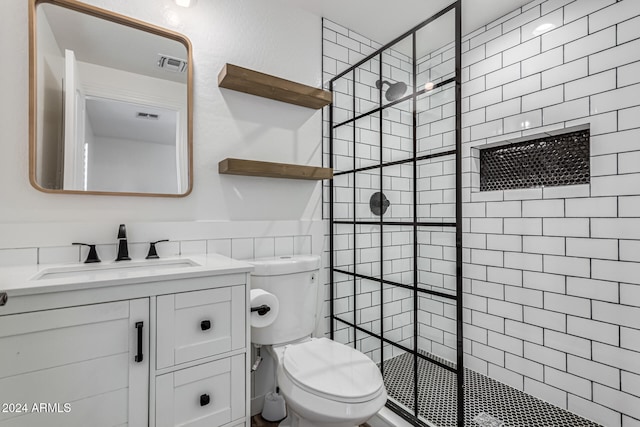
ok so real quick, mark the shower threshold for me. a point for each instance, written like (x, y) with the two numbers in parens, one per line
(487, 403)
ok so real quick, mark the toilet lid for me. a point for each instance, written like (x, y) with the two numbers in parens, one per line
(332, 369)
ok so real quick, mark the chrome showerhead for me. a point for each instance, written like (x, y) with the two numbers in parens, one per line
(395, 90)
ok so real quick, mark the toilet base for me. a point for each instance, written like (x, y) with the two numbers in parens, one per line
(295, 420)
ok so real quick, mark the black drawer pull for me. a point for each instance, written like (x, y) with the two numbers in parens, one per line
(204, 399)
(205, 325)
(139, 357)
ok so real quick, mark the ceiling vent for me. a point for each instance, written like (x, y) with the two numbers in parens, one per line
(147, 116)
(175, 65)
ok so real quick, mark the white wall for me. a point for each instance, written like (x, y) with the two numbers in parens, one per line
(127, 165)
(50, 73)
(251, 33)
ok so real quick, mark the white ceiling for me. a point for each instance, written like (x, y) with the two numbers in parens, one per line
(106, 43)
(379, 20)
(383, 20)
(115, 119)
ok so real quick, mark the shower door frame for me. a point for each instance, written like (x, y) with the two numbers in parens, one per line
(457, 79)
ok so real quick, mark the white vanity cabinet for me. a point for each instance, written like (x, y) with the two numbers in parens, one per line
(211, 394)
(166, 352)
(194, 326)
(88, 363)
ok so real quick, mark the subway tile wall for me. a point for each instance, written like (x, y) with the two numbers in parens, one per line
(546, 270)
(238, 248)
(436, 193)
(551, 275)
(358, 146)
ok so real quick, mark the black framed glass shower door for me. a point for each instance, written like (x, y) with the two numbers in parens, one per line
(395, 215)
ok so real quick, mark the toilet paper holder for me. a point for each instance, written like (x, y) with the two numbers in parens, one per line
(261, 309)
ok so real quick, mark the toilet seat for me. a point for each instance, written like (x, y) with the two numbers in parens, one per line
(331, 370)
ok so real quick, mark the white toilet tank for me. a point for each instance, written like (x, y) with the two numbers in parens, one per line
(294, 281)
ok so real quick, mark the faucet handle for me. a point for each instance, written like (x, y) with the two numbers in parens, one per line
(153, 254)
(122, 232)
(93, 255)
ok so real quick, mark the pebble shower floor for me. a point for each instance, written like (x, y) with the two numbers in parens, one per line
(488, 403)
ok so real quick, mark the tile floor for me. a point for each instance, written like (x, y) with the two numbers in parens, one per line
(488, 403)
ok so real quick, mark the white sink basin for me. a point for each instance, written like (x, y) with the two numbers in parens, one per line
(122, 268)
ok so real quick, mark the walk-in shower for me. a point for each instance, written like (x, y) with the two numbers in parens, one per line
(396, 251)
(395, 214)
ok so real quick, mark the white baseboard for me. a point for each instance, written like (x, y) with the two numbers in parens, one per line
(257, 403)
(387, 418)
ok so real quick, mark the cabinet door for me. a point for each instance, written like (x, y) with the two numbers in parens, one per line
(195, 325)
(76, 366)
(207, 395)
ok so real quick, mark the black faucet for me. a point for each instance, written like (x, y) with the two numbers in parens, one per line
(93, 255)
(153, 253)
(123, 249)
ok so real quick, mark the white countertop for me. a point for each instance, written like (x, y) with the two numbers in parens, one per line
(23, 280)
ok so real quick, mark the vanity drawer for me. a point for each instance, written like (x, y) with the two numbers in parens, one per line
(194, 325)
(210, 394)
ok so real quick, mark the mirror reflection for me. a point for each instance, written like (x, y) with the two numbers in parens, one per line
(110, 103)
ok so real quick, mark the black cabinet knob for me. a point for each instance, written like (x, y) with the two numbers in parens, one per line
(205, 325)
(204, 399)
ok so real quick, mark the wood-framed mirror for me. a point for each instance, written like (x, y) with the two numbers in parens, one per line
(110, 103)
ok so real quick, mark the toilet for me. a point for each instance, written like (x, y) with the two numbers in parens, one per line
(324, 383)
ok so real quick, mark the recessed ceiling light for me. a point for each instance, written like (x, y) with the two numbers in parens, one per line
(185, 3)
(543, 28)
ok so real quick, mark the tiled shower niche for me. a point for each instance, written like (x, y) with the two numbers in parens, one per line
(549, 160)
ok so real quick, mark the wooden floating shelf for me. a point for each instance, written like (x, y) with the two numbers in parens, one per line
(273, 170)
(260, 84)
